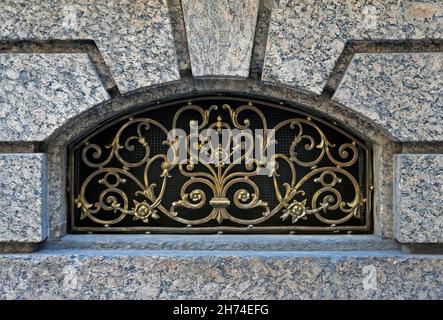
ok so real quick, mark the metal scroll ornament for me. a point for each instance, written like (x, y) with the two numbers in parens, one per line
(220, 196)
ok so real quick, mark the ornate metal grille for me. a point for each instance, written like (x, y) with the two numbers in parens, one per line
(121, 178)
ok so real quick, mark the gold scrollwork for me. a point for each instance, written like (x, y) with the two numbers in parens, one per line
(222, 179)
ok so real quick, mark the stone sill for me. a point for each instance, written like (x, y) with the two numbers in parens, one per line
(223, 242)
(88, 254)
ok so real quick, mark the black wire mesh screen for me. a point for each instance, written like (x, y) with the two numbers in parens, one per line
(304, 174)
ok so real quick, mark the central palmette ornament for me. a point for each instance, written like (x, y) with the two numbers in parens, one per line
(223, 166)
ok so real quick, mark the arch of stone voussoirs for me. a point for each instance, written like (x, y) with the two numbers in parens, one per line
(57, 143)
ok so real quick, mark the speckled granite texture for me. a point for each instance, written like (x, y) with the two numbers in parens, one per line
(402, 93)
(134, 36)
(219, 275)
(22, 197)
(418, 204)
(306, 37)
(220, 36)
(392, 100)
(39, 92)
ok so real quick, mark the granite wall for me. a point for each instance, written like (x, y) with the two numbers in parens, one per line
(375, 66)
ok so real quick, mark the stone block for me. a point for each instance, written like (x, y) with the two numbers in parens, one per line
(126, 274)
(220, 36)
(401, 93)
(40, 92)
(418, 198)
(22, 198)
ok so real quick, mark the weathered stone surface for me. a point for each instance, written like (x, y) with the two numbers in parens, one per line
(39, 92)
(219, 275)
(261, 35)
(22, 197)
(400, 92)
(383, 179)
(307, 37)
(226, 242)
(179, 32)
(220, 36)
(418, 198)
(134, 37)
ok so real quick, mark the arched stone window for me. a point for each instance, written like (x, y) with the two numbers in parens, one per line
(220, 163)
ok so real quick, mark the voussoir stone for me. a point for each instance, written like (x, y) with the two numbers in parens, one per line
(306, 37)
(22, 197)
(134, 36)
(40, 92)
(418, 198)
(220, 36)
(402, 93)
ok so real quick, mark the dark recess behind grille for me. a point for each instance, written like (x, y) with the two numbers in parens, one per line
(79, 171)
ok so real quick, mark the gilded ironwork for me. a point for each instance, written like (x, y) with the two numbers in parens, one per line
(225, 191)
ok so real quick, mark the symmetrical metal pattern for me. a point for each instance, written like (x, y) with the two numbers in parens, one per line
(122, 179)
